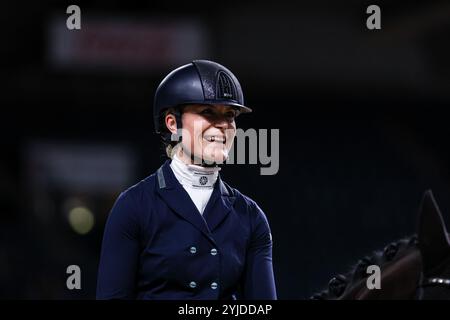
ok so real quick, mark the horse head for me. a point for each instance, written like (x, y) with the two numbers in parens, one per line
(434, 246)
(417, 267)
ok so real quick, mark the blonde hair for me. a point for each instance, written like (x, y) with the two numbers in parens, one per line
(170, 151)
(170, 146)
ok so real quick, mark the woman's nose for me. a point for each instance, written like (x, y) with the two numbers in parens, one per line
(222, 123)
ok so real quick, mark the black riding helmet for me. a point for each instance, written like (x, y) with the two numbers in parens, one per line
(199, 82)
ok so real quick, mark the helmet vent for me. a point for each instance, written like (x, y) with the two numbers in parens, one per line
(225, 87)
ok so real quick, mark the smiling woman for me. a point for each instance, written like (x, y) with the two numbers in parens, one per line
(183, 233)
(208, 133)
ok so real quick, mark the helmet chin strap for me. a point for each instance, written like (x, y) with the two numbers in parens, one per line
(177, 114)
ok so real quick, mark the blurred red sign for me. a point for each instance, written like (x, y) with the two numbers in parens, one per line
(126, 44)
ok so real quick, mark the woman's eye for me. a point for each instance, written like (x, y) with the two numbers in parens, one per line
(206, 111)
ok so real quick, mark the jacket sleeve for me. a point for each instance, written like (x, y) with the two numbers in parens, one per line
(258, 282)
(120, 252)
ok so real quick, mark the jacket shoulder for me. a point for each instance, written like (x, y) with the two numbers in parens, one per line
(140, 194)
(141, 187)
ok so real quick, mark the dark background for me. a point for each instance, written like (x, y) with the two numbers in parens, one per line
(362, 118)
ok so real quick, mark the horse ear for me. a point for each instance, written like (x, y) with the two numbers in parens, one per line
(434, 244)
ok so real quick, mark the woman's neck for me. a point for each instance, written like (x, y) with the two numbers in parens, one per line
(183, 157)
(190, 160)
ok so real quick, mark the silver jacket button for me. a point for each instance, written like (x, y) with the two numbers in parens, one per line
(192, 284)
(214, 285)
(213, 252)
(193, 250)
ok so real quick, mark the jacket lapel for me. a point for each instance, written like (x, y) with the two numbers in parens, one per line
(174, 195)
(219, 205)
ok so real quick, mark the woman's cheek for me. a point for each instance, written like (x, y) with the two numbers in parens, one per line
(230, 140)
(196, 146)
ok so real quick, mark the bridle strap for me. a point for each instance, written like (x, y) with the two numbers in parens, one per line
(435, 282)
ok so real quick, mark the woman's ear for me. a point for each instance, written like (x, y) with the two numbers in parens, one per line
(171, 123)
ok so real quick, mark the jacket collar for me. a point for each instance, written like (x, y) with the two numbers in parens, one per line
(174, 195)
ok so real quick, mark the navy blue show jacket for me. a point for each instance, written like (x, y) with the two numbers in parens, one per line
(156, 245)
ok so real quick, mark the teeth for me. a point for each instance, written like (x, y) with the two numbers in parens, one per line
(214, 138)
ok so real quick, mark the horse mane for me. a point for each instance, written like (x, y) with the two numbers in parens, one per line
(351, 284)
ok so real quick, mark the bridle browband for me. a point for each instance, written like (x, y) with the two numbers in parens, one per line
(435, 282)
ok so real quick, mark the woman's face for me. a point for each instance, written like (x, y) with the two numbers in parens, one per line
(208, 132)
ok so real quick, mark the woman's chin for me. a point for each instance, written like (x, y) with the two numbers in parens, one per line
(218, 157)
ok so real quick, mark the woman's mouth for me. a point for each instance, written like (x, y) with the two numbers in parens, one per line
(214, 138)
